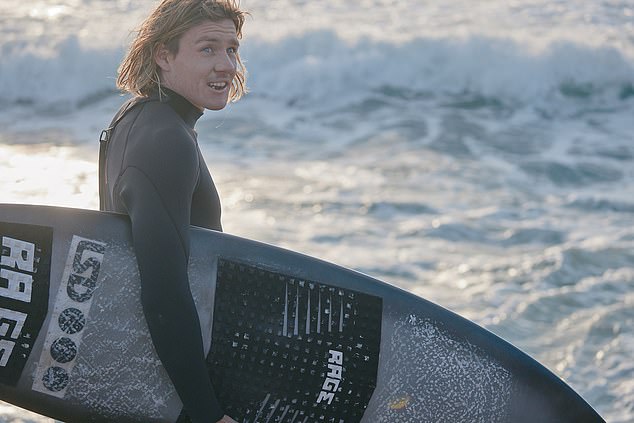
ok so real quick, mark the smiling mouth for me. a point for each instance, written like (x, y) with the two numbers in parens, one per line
(218, 86)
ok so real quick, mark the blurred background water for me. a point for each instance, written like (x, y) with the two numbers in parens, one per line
(479, 154)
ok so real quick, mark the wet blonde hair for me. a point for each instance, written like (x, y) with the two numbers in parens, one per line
(139, 74)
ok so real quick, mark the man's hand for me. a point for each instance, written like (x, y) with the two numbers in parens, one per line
(226, 419)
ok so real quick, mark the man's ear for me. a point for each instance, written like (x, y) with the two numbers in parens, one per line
(163, 57)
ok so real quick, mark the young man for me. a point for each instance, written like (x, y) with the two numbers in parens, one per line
(183, 60)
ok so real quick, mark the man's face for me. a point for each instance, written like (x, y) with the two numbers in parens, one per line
(204, 66)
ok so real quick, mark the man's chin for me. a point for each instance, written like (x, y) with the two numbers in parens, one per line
(215, 106)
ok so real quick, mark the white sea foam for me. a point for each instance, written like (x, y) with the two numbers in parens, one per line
(321, 69)
(66, 55)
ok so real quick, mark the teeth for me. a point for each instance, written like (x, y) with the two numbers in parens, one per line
(218, 85)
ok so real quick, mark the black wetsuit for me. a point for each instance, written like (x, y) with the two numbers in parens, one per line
(155, 173)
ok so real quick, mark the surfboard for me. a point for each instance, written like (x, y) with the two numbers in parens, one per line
(289, 338)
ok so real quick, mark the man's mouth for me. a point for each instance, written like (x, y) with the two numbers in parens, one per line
(219, 86)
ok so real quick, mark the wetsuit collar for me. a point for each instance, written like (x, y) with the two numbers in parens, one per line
(187, 111)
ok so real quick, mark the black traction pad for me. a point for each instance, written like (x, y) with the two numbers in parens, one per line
(292, 350)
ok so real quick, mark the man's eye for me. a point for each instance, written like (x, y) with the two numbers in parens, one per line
(207, 50)
(232, 50)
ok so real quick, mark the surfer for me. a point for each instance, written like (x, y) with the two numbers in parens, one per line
(183, 60)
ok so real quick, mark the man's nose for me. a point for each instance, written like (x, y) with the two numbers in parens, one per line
(226, 64)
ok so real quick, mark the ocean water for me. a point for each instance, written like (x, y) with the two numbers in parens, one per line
(479, 154)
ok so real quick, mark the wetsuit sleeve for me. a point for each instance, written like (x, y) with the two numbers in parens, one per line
(156, 191)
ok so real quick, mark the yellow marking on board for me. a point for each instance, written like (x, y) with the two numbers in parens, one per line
(400, 403)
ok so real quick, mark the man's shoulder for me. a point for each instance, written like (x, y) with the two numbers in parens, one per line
(157, 112)
(157, 120)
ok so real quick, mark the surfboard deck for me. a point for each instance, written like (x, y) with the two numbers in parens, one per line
(289, 338)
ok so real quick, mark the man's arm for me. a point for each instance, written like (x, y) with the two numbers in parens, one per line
(157, 196)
